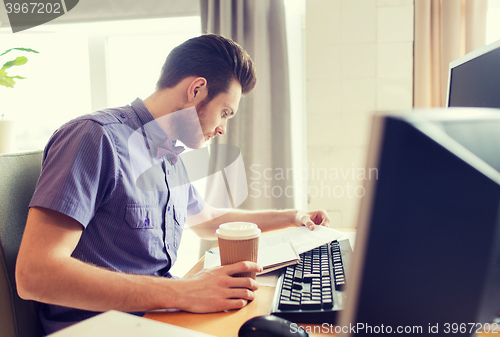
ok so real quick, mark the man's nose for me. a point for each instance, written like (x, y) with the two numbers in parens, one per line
(221, 129)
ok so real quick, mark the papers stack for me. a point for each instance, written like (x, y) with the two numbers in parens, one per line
(282, 248)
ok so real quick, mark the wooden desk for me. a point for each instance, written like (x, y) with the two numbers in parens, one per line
(225, 324)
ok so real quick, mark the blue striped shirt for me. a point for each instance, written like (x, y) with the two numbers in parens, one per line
(100, 170)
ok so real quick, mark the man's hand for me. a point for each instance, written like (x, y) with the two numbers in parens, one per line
(311, 218)
(214, 289)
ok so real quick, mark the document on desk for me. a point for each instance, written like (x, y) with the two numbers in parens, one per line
(281, 248)
(119, 324)
(282, 257)
(301, 238)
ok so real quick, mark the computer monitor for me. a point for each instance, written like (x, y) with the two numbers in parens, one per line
(428, 240)
(474, 79)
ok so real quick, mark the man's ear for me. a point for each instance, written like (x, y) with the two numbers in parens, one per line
(197, 90)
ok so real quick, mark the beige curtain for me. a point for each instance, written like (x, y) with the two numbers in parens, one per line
(261, 128)
(445, 30)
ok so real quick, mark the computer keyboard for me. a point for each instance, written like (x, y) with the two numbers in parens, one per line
(312, 290)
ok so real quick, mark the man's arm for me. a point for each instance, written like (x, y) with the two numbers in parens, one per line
(46, 272)
(208, 220)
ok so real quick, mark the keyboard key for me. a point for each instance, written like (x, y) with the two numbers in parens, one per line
(289, 305)
(311, 276)
(327, 303)
(310, 305)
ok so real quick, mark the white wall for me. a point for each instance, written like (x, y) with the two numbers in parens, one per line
(359, 59)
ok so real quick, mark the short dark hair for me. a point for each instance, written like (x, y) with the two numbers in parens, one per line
(218, 59)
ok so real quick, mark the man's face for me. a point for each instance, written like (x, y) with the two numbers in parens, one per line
(213, 116)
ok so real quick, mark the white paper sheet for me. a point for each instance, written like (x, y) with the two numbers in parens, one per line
(283, 245)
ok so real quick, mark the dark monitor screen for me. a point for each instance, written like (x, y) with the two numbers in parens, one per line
(428, 234)
(474, 80)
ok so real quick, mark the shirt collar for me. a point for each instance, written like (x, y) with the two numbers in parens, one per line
(154, 133)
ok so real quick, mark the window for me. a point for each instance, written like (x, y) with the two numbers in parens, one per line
(493, 21)
(134, 60)
(295, 16)
(84, 67)
(56, 87)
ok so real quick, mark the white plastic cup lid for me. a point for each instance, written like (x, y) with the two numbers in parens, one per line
(237, 231)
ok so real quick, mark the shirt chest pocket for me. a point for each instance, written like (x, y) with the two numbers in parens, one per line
(141, 233)
(143, 216)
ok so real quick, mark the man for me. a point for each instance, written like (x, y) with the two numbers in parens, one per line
(106, 218)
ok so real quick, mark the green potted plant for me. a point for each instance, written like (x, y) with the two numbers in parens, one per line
(6, 126)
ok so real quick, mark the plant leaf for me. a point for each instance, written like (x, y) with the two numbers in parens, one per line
(8, 81)
(19, 61)
(21, 49)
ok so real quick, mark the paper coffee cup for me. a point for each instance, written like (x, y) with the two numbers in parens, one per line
(238, 241)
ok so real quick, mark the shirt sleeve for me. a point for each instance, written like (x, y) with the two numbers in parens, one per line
(195, 201)
(78, 171)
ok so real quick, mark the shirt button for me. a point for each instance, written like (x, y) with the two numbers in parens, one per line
(146, 222)
(122, 115)
(168, 208)
(168, 246)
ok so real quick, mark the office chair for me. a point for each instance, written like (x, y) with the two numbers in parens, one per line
(18, 176)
